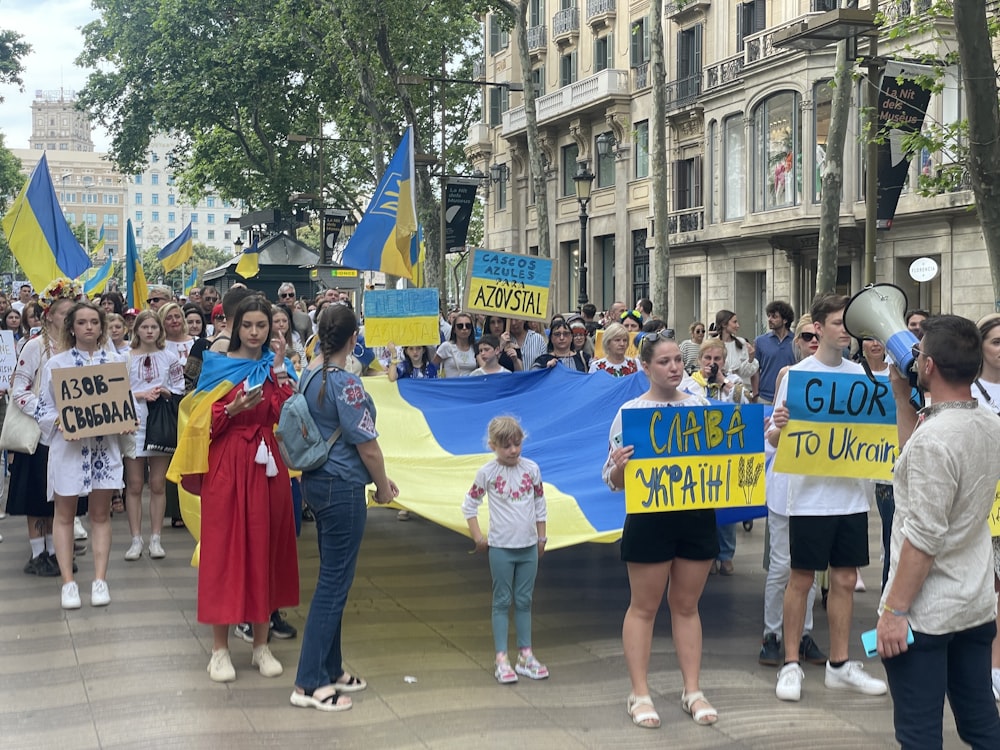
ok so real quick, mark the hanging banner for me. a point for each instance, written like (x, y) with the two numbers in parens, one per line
(460, 197)
(839, 425)
(509, 285)
(902, 104)
(694, 458)
(333, 222)
(405, 317)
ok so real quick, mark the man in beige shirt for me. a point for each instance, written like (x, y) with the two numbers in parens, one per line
(941, 568)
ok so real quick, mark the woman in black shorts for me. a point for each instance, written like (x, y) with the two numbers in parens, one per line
(678, 546)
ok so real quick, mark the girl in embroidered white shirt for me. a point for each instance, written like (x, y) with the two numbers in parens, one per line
(513, 485)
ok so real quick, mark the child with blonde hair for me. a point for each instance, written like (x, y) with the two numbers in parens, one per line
(513, 486)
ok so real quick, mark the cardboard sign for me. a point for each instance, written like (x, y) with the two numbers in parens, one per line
(94, 400)
(509, 285)
(694, 458)
(406, 317)
(840, 425)
(8, 358)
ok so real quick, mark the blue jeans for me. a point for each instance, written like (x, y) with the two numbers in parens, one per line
(956, 664)
(514, 573)
(886, 502)
(340, 514)
(727, 541)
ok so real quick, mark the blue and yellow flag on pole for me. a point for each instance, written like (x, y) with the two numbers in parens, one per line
(96, 283)
(38, 234)
(178, 251)
(382, 240)
(136, 291)
(189, 284)
(99, 247)
(249, 265)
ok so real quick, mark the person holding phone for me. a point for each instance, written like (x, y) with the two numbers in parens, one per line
(941, 567)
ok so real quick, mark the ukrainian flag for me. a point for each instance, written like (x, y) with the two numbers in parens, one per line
(99, 247)
(192, 280)
(38, 234)
(382, 241)
(249, 265)
(96, 283)
(136, 291)
(178, 251)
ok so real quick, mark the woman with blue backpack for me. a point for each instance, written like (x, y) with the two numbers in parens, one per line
(335, 492)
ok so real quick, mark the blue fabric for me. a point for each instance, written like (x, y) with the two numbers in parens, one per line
(341, 514)
(772, 356)
(514, 572)
(727, 541)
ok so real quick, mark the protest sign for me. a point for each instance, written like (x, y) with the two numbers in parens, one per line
(631, 351)
(694, 458)
(995, 514)
(94, 400)
(405, 317)
(839, 425)
(509, 285)
(8, 358)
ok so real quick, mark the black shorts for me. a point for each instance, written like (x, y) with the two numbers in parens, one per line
(818, 542)
(660, 537)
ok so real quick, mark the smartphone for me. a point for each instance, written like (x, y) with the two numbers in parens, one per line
(251, 392)
(616, 441)
(869, 640)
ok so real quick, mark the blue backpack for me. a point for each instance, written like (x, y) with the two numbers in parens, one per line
(301, 444)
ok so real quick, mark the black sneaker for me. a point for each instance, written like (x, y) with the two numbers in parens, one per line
(281, 628)
(244, 631)
(48, 566)
(31, 567)
(809, 651)
(770, 651)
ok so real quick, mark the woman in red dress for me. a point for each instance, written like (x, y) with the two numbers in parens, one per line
(249, 566)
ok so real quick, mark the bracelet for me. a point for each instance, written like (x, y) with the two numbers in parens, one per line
(895, 612)
(280, 370)
(543, 539)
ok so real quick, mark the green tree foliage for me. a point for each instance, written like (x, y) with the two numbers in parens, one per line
(11, 182)
(12, 50)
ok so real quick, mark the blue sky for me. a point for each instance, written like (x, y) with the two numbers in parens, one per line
(52, 28)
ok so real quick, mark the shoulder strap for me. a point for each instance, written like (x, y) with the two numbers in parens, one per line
(986, 395)
(306, 379)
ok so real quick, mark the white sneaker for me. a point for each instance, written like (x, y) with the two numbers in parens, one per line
(220, 668)
(79, 533)
(852, 676)
(135, 550)
(70, 595)
(789, 686)
(99, 594)
(264, 660)
(155, 548)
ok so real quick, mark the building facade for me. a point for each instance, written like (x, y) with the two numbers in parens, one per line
(746, 126)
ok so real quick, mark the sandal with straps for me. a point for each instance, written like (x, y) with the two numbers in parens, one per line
(647, 718)
(703, 716)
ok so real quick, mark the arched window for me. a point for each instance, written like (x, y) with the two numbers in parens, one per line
(777, 143)
(733, 166)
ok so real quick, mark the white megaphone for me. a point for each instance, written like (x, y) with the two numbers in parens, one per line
(879, 312)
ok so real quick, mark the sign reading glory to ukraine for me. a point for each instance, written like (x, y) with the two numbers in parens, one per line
(694, 458)
(405, 317)
(839, 425)
(510, 285)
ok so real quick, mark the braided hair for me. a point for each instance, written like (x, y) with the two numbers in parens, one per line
(337, 324)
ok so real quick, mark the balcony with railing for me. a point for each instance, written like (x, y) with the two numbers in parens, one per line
(895, 11)
(536, 39)
(566, 25)
(478, 70)
(682, 93)
(641, 78)
(686, 220)
(600, 13)
(606, 85)
(724, 72)
(682, 11)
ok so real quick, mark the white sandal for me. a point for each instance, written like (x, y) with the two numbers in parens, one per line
(703, 716)
(639, 719)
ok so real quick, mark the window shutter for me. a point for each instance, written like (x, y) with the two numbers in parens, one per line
(696, 197)
(677, 201)
(494, 36)
(760, 15)
(696, 67)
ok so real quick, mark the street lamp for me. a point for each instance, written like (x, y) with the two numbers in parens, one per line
(583, 180)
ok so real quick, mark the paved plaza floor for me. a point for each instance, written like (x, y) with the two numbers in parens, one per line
(133, 674)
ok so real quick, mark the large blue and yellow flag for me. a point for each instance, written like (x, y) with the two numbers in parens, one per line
(38, 234)
(190, 282)
(136, 290)
(433, 436)
(249, 265)
(99, 247)
(99, 280)
(382, 240)
(178, 251)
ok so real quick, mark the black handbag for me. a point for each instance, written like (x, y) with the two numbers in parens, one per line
(161, 423)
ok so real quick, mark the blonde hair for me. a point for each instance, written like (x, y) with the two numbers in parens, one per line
(805, 322)
(141, 318)
(712, 344)
(504, 431)
(615, 331)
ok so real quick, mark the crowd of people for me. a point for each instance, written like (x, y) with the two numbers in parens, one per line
(238, 358)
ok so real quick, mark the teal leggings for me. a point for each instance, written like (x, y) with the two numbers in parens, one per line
(514, 573)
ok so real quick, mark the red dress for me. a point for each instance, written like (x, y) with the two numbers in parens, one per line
(249, 563)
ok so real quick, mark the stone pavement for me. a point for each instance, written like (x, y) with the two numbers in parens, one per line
(133, 674)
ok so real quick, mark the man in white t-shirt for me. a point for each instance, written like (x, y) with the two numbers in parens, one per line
(827, 526)
(23, 298)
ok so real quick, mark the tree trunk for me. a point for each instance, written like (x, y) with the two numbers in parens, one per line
(660, 262)
(832, 185)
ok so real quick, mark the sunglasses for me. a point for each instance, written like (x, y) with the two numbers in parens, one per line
(699, 330)
(287, 295)
(807, 336)
(219, 317)
(463, 326)
(666, 334)
(151, 300)
(915, 351)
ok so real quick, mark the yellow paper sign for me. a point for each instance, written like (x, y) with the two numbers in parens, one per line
(405, 317)
(995, 515)
(93, 400)
(632, 351)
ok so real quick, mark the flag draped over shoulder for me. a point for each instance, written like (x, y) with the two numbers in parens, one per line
(99, 280)
(136, 291)
(382, 241)
(249, 264)
(38, 234)
(178, 251)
